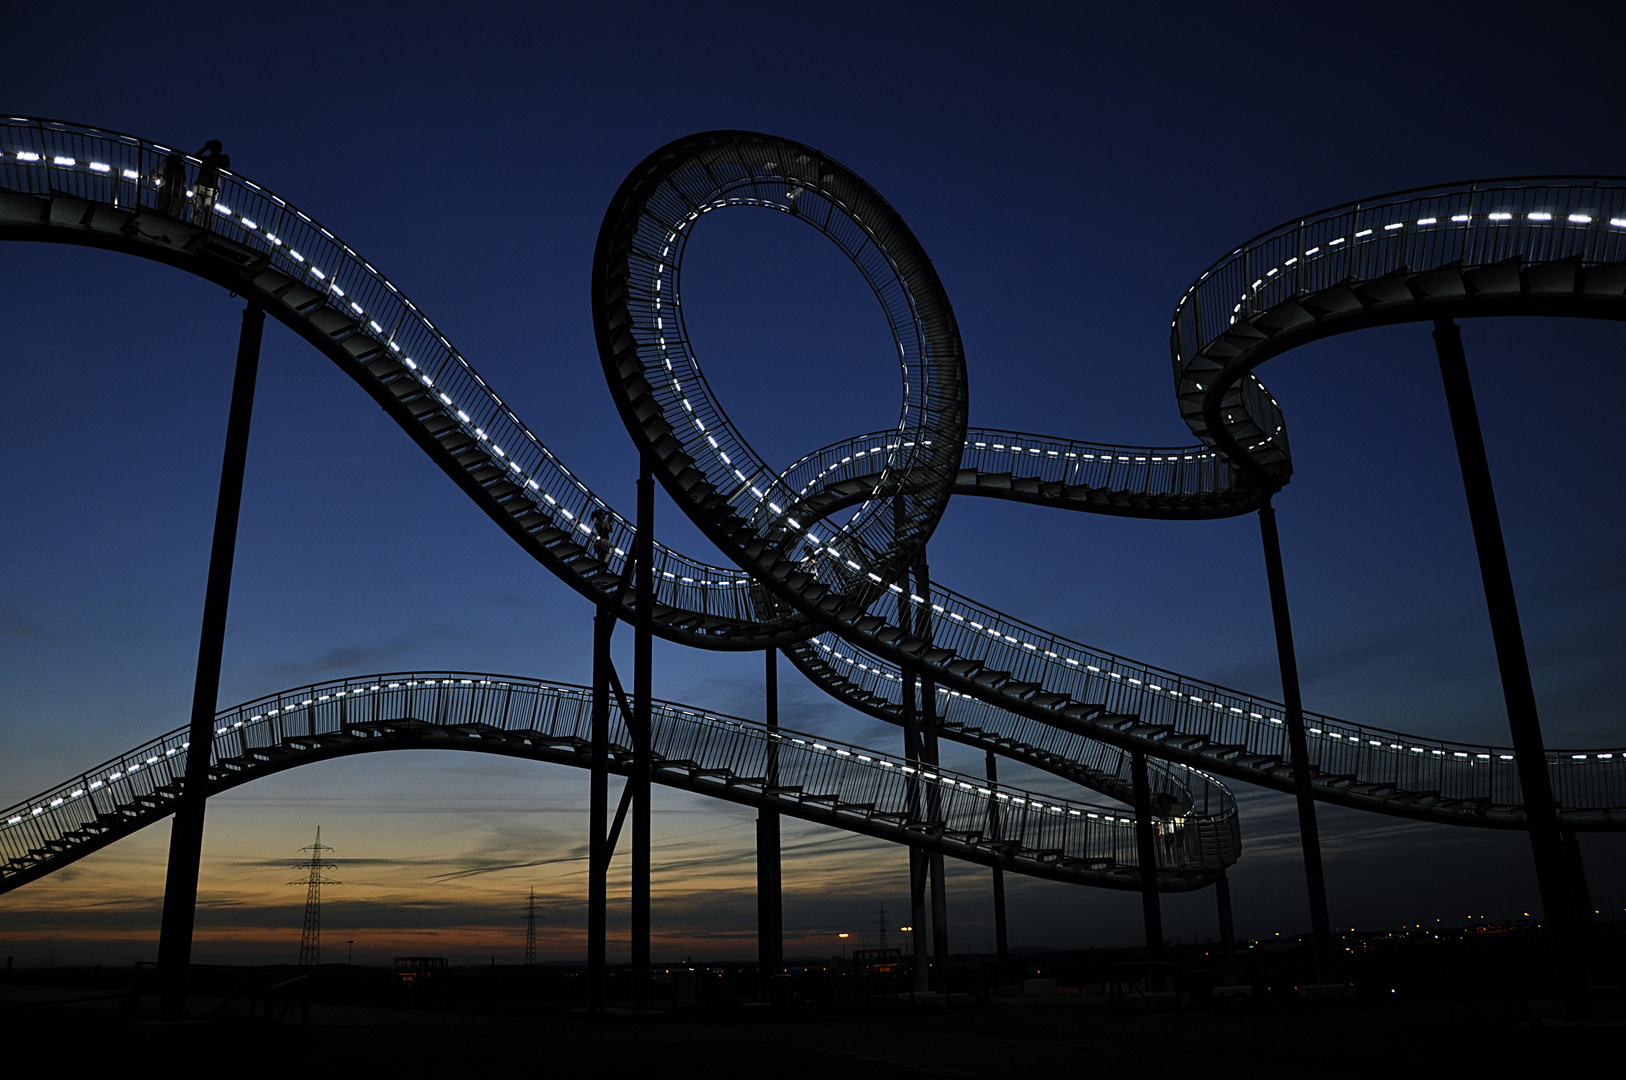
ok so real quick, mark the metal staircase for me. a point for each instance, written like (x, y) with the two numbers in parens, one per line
(1523, 246)
(1168, 483)
(812, 778)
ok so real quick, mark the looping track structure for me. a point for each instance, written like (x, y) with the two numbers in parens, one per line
(740, 502)
(826, 551)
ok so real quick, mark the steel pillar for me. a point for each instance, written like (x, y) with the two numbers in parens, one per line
(1146, 852)
(1552, 873)
(928, 745)
(598, 800)
(1222, 898)
(1298, 747)
(1579, 891)
(186, 834)
(918, 862)
(1001, 942)
(913, 751)
(770, 895)
(642, 689)
(919, 957)
(940, 938)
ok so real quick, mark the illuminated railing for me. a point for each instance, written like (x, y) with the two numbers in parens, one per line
(722, 751)
(1137, 470)
(1103, 767)
(44, 158)
(1341, 751)
(1456, 227)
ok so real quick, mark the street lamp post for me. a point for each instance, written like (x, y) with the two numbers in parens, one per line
(843, 938)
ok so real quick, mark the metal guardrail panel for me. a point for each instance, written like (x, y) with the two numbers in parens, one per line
(260, 736)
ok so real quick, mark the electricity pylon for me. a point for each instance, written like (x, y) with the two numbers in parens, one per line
(530, 929)
(310, 942)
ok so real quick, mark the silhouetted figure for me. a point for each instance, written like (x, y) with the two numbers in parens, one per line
(601, 536)
(1163, 806)
(170, 180)
(207, 189)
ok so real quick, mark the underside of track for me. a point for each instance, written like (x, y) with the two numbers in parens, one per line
(798, 775)
(826, 550)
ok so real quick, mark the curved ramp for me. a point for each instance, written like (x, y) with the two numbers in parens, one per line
(1545, 245)
(802, 776)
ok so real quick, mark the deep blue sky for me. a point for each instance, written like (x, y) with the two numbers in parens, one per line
(1069, 168)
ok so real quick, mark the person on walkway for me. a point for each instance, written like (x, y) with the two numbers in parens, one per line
(207, 189)
(170, 181)
(601, 535)
(1168, 827)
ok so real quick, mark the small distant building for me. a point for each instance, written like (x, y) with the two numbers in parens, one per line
(420, 980)
(880, 961)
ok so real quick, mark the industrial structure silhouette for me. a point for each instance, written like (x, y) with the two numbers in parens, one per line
(829, 554)
(310, 938)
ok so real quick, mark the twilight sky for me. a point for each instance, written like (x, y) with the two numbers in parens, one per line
(1069, 168)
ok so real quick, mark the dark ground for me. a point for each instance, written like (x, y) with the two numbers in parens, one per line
(1002, 1037)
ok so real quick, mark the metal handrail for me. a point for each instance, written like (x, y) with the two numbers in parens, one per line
(1098, 765)
(1140, 470)
(1461, 225)
(45, 157)
(871, 783)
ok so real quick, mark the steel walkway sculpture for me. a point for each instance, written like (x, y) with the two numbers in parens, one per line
(828, 552)
(70, 184)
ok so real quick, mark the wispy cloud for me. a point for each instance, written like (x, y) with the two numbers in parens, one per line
(15, 627)
(359, 659)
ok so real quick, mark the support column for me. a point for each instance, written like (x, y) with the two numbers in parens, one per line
(1298, 747)
(918, 862)
(919, 957)
(1146, 851)
(642, 688)
(770, 895)
(1579, 891)
(928, 746)
(1001, 942)
(1552, 874)
(1222, 897)
(912, 752)
(186, 834)
(598, 862)
(940, 938)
